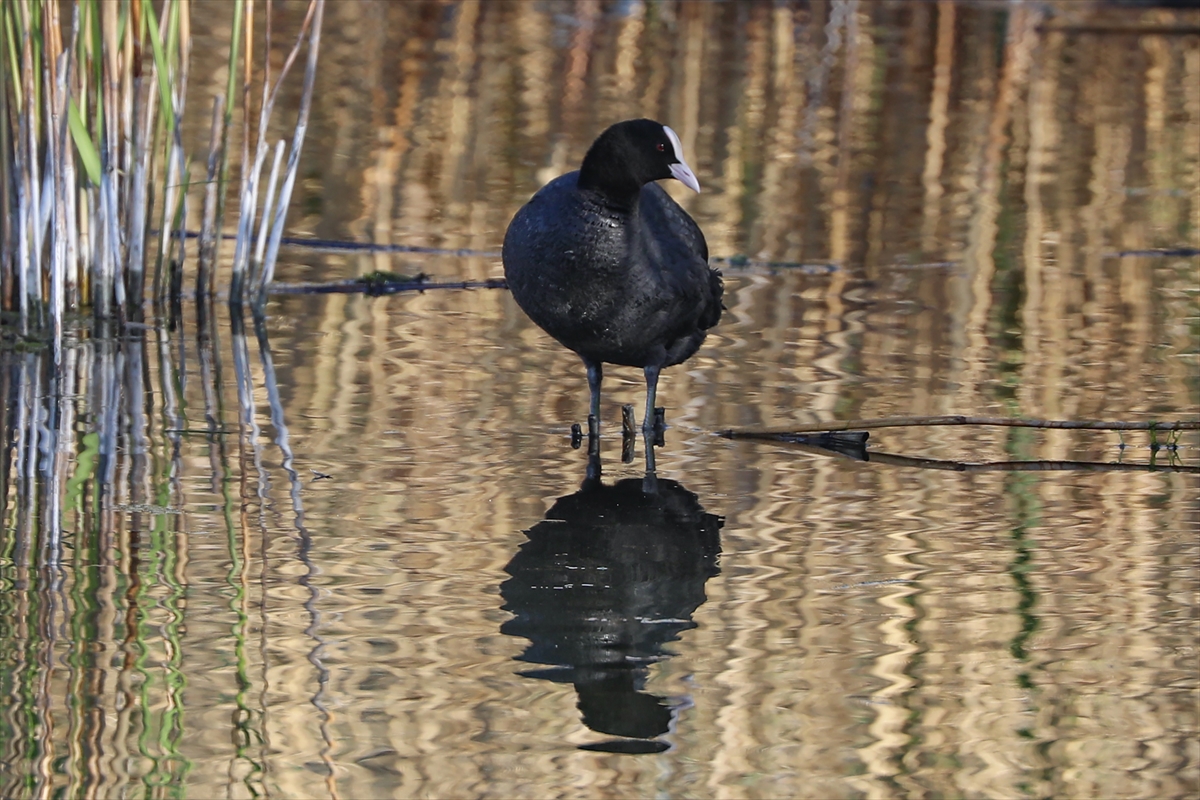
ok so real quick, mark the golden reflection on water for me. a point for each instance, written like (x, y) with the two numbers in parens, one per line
(949, 184)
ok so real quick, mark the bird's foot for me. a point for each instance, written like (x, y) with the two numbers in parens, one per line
(654, 428)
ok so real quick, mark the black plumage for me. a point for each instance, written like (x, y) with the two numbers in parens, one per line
(603, 259)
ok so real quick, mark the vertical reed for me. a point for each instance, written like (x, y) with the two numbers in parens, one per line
(245, 273)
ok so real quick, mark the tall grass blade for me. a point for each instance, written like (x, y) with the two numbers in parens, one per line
(162, 68)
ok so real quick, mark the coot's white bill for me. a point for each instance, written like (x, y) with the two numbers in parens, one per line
(681, 171)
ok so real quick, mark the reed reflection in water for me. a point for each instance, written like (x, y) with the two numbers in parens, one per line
(187, 608)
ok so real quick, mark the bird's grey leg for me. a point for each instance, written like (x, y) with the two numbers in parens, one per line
(594, 375)
(593, 468)
(648, 443)
(651, 389)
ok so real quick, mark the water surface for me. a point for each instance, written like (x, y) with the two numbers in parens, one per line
(351, 553)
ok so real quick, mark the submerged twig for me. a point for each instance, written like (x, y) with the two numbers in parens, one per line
(959, 419)
(1165, 252)
(355, 287)
(340, 246)
(821, 445)
(1027, 466)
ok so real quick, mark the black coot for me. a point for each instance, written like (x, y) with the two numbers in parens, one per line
(603, 259)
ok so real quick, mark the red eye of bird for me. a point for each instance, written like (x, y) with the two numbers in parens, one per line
(661, 147)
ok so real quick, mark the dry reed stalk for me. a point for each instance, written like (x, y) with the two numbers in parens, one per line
(222, 174)
(69, 265)
(28, 170)
(249, 175)
(183, 173)
(252, 174)
(139, 165)
(268, 266)
(310, 74)
(206, 262)
(107, 262)
(272, 184)
(6, 174)
(174, 34)
(60, 160)
(99, 99)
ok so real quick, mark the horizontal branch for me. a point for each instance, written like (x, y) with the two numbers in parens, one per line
(959, 419)
(1163, 252)
(1123, 29)
(829, 444)
(1028, 466)
(375, 288)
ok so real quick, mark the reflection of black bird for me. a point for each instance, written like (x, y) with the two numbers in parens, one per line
(604, 260)
(604, 583)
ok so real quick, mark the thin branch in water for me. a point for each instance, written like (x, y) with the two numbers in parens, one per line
(1166, 252)
(960, 419)
(817, 446)
(1027, 466)
(418, 283)
(340, 246)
